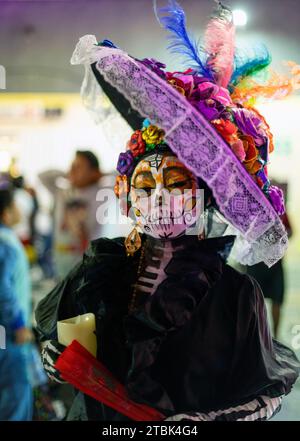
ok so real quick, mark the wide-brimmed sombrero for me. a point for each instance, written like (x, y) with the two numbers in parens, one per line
(208, 118)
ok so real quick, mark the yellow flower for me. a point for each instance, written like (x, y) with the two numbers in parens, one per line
(153, 135)
(176, 86)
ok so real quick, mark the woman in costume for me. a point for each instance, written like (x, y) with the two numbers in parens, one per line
(184, 332)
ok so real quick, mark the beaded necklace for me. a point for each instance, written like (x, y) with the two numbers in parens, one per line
(132, 304)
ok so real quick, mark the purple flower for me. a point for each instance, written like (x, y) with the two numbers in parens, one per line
(199, 80)
(200, 95)
(205, 90)
(155, 65)
(263, 177)
(125, 163)
(209, 108)
(276, 198)
(250, 124)
(210, 99)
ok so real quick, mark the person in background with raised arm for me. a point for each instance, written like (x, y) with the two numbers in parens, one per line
(75, 222)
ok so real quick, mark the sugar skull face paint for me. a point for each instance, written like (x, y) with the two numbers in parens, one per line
(163, 196)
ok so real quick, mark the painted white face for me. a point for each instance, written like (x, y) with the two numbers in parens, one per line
(163, 196)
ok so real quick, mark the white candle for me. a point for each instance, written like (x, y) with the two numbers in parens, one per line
(80, 328)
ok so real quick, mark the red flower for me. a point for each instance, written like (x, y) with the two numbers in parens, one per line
(226, 129)
(259, 182)
(136, 144)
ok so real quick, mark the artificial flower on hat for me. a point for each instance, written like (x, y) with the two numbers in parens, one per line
(136, 144)
(152, 135)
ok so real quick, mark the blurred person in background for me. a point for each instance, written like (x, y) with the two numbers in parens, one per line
(75, 222)
(27, 202)
(44, 243)
(15, 316)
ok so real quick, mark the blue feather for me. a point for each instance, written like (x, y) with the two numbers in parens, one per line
(181, 42)
(248, 62)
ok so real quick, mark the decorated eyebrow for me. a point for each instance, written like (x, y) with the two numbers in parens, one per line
(143, 175)
(180, 170)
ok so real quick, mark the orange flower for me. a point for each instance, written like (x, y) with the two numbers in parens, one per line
(121, 186)
(251, 160)
(254, 168)
(121, 190)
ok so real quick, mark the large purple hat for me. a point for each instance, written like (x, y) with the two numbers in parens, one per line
(207, 119)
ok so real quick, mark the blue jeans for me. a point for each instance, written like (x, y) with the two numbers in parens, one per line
(16, 399)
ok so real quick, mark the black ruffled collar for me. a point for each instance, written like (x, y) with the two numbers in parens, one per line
(220, 245)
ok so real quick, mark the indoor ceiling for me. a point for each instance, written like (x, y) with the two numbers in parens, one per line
(37, 37)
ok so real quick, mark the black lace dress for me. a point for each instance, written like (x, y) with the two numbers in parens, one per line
(200, 343)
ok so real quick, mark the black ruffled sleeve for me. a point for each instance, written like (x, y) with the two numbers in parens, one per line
(260, 365)
(59, 304)
(81, 291)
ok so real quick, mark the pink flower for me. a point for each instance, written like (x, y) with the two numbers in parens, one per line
(211, 90)
(238, 150)
(183, 82)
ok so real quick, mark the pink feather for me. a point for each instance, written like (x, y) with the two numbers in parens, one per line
(219, 44)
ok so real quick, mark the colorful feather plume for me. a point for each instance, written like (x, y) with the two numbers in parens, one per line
(219, 42)
(219, 61)
(248, 91)
(173, 19)
(250, 61)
